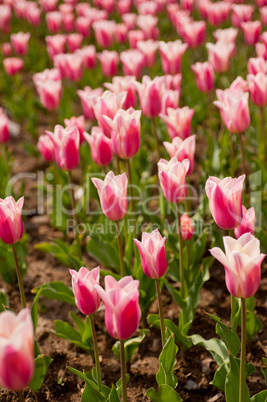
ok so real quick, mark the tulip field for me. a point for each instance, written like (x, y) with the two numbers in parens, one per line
(133, 200)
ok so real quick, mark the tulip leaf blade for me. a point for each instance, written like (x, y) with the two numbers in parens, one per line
(167, 360)
(34, 309)
(130, 346)
(260, 397)
(164, 394)
(91, 391)
(264, 371)
(229, 337)
(42, 364)
(232, 382)
(58, 291)
(4, 302)
(104, 253)
(61, 251)
(65, 331)
(215, 346)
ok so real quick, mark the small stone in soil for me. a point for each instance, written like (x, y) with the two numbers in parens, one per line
(191, 385)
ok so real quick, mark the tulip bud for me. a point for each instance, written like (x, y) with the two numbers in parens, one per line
(187, 227)
(172, 175)
(101, 147)
(83, 286)
(247, 224)
(46, 147)
(11, 225)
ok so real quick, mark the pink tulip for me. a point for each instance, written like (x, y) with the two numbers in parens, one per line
(242, 263)
(87, 95)
(112, 192)
(152, 252)
(147, 8)
(148, 24)
(247, 224)
(121, 299)
(261, 50)
(227, 35)
(66, 8)
(252, 30)
(178, 122)
(225, 200)
(48, 5)
(68, 21)
(234, 109)
(53, 21)
(55, 45)
(182, 150)
(74, 41)
(149, 49)
(46, 147)
(194, 33)
(120, 33)
(171, 54)
(49, 87)
(134, 37)
(16, 349)
(123, 84)
(187, 227)
(241, 13)
(11, 225)
(125, 132)
(33, 15)
(83, 26)
(20, 42)
(88, 56)
(109, 60)
(104, 32)
(219, 55)
(129, 20)
(83, 285)
(187, 5)
(150, 95)
(107, 105)
(239, 84)
(5, 16)
(170, 99)
(70, 65)
(217, 13)
(79, 122)
(101, 146)
(258, 88)
(173, 81)
(172, 175)
(66, 143)
(257, 65)
(205, 76)
(132, 62)
(4, 130)
(261, 3)
(263, 12)
(6, 49)
(13, 65)
(124, 6)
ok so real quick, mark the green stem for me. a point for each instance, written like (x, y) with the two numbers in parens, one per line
(20, 281)
(242, 152)
(181, 259)
(128, 167)
(243, 352)
(120, 250)
(118, 164)
(156, 137)
(263, 134)
(74, 217)
(162, 326)
(21, 396)
(123, 372)
(97, 363)
(231, 155)
(233, 299)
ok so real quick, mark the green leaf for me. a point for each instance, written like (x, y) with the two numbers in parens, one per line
(229, 337)
(220, 376)
(57, 291)
(61, 251)
(260, 397)
(113, 396)
(215, 346)
(232, 383)
(34, 309)
(264, 371)
(130, 346)
(4, 302)
(253, 325)
(91, 391)
(41, 363)
(167, 360)
(164, 394)
(78, 322)
(66, 331)
(104, 253)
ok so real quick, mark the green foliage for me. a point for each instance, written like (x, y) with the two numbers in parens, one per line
(167, 360)
(164, 394)
(62, 252)
(42, 364)
(57, 291)
(7, 264)
(4, 302)
(130, 346)
(104, 253)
